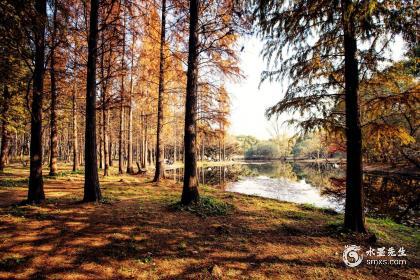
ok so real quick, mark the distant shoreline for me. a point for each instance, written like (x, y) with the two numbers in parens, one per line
(373, 169)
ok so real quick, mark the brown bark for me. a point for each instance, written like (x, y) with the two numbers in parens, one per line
(110, 138)
(101, 159)
(36, 184)
(105, 121)
(5, 134)
(159, 168)
(92, 191)
(75, 136)
(121, 133)
(102, 144)
(130, 169)
(175, 138)
(354, 218)
(146, 154)
(190, 186)
(120, 141)
(53, 104)
(53, 122)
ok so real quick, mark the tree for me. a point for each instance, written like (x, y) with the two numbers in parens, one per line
(354, 217)
(109, 49)
(160, 168)
(16, 68)
(122, 98)
(92, 190)
(263, 150)
(324, 66)
(389, 109)
(247, 142)
(311, 145)
(283, 141)
(130, 169)
(5, 134)
(53, 104)
(77, 44)
(75, 133)
(190, 185)
(36, 183)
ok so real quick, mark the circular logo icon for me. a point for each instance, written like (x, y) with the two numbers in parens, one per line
(351, 256)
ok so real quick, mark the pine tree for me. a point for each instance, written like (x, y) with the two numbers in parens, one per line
(92, 190)
(315, 44)
(36, 183)
(160, 168)
(190, 185)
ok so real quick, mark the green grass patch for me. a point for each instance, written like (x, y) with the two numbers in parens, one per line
(65, 174)
(109, 199)
(296, 215)
(66, 198)
(392, 232)
(13, 183)
(336, 227)
(308, 207)
(16, 211)
(207, 206)
(313, 208)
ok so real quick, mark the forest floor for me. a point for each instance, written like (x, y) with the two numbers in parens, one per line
(139, 232)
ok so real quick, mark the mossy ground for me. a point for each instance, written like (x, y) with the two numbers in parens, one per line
(139, 232)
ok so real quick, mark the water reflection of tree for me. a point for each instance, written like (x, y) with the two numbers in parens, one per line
(273, 170)
(318, 174)
(395, 197)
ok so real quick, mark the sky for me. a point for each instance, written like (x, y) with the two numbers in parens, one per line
(249, 101)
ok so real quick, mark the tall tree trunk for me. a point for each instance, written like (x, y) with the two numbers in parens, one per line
(92, 190)
(121, 140)
(5, 133)
(105, 131)
(159, 170)
(190, 186)
(146, 144)
(220, 150)
(175, 138)
(203, 148)
(53, 104)
(121, 133)
(223, 148)
(75, 136)
(36, 184)
(354, 218)
(53, 120)
(130, 169)
(141, 156)
(101, 159)
(109, 137)
(105, 118)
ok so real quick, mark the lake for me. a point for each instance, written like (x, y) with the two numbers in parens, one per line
(321, 185)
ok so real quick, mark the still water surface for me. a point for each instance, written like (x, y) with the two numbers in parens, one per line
(321, 185)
